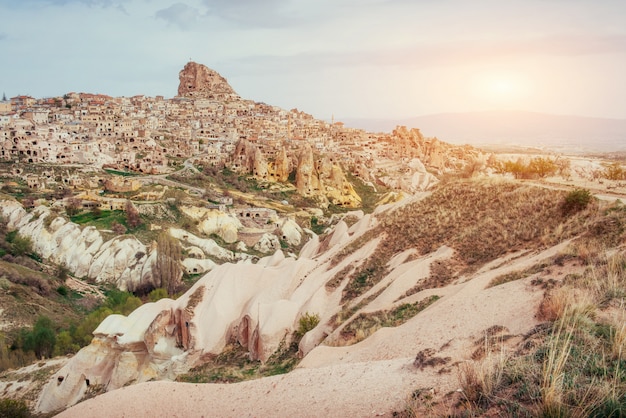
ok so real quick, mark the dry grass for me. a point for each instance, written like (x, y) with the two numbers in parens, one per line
(442, 273)
(480, 380)
(553, 372)
(337, 279)
(482, 220)
(618, 336)
(566, 300)
(571, 366)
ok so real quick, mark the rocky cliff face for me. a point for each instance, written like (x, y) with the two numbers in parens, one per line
(122, 261)
(248, 158)
(197, 80)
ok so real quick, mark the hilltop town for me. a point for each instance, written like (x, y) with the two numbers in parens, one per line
(208, 123)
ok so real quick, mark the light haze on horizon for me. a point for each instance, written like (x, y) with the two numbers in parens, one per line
(348, 58)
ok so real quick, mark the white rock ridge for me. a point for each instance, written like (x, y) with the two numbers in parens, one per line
(123, 261)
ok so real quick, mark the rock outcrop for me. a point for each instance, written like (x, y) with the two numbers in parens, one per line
(280, 168)
(258, 305)
(199, 81)
(267, 243)
(434, 154)
(211, 221)
(325, 179)
(320, 178)
(248, 158)
(414, 178)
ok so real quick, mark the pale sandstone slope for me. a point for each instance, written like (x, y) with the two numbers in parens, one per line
(371, 378)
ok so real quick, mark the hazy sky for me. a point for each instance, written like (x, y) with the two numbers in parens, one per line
(350, 58)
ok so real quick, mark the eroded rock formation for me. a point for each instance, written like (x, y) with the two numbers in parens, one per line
(435, 154)
(248, 158)
(211, 221)
(257, 305)
(322, 178)
(199, 81)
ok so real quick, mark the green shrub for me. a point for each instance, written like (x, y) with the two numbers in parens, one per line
(42, 339)
(65, 344)
(306, 323)
(536, 167)
(575, 201)
(157, 294)
(13, 408)
(614, 172)
(21, 245)
(62, 290)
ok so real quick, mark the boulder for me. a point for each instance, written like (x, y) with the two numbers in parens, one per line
(291, 232)
(267, 244)
(212, 221)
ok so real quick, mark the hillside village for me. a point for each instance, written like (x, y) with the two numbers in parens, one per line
(208, 123)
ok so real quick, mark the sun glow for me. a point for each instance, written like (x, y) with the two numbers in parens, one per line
(501, 89)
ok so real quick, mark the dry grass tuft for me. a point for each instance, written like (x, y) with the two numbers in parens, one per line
(480, 380)
(553, 372)
(427, 358)
(618, 336)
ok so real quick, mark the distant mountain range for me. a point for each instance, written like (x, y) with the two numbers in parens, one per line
(513, 128)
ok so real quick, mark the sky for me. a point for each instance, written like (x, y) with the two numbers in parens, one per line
(341, 58)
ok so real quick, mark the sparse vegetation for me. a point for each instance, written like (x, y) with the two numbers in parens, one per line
(441, 274)
(157, 294)
(365, 324)
(614, 171)
(103, 219)
(233, 365)
(47, 338)
(517, 275)
(481, 220)
(572, 365)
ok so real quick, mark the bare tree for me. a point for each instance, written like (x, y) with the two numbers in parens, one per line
(73, 206)
(169, 256)
(118, 228)
(133, 220)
